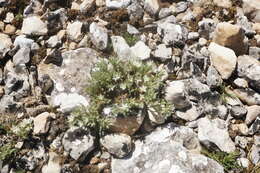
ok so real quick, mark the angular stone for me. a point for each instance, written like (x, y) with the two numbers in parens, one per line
(119, 145)
(254, 52)
(98, 35)
(177, 95)
(22, 41)
(241, 83)
(223, 3)
(141, 51)
(255, 127)
(135, 11)
(251, 8)
(216, 132)
(121, 48)
(74, 31)
(173, 34)
(252, 113)
(78, 143)
(254, 154)
(68, 102)
(22, 56)
(86, 5)
(167, 149)
(163, 53)
(33, 25)
(249, 68)
(117, 4)
(72, 75)
(238, 112)
(41, 123)
(5, 44)
(223, 59)
(126, 124)
(54, 164)
(189, 114)
(248, 96)
(152, 6)
(206, 27)
(213, 78)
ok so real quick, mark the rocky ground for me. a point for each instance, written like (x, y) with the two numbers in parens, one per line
(209, 51)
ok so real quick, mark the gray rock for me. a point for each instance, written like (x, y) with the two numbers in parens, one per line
(34, 7)
(141, 51)
(254, 52)
(255, 127)
(5, 44)
(54, 57)
(98, 35)
(162, 52)
(22, 56)
(132, 30)
(255, 150)
(7, 104)
(33, 25)
(32, 157)
(248, 96)
(22, 41)
(68, 102)
(206, 28)
(189, 114)
(119, 145)
(17, 81)
(173, 34)
(198, 89)
(165, 12)
(78, 142)
(155, 117)
(117, 4)
(86, 5)
(241, 141)
(245, 24)
(223, 59)
(241, 83)
(193, 36)
(53, 41)
(223, 3)
(216, 132)
(4, 169)
(249, 68)
(135, 11)
(244, 162)
(77, 63)
(53, 165)
(152, 6)
(121, 48)
(41, 123)
(168, 149)
(180, 7)
(46, 83)
(213, 78)
(252, 113)
(251, 8)
(238, 112)
(177, 95)
(74, 31)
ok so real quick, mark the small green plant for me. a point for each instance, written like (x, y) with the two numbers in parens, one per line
(13, 131)
(6, 151)
(130, 39)
(224, 91)
(121, 87)
(227, 160)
